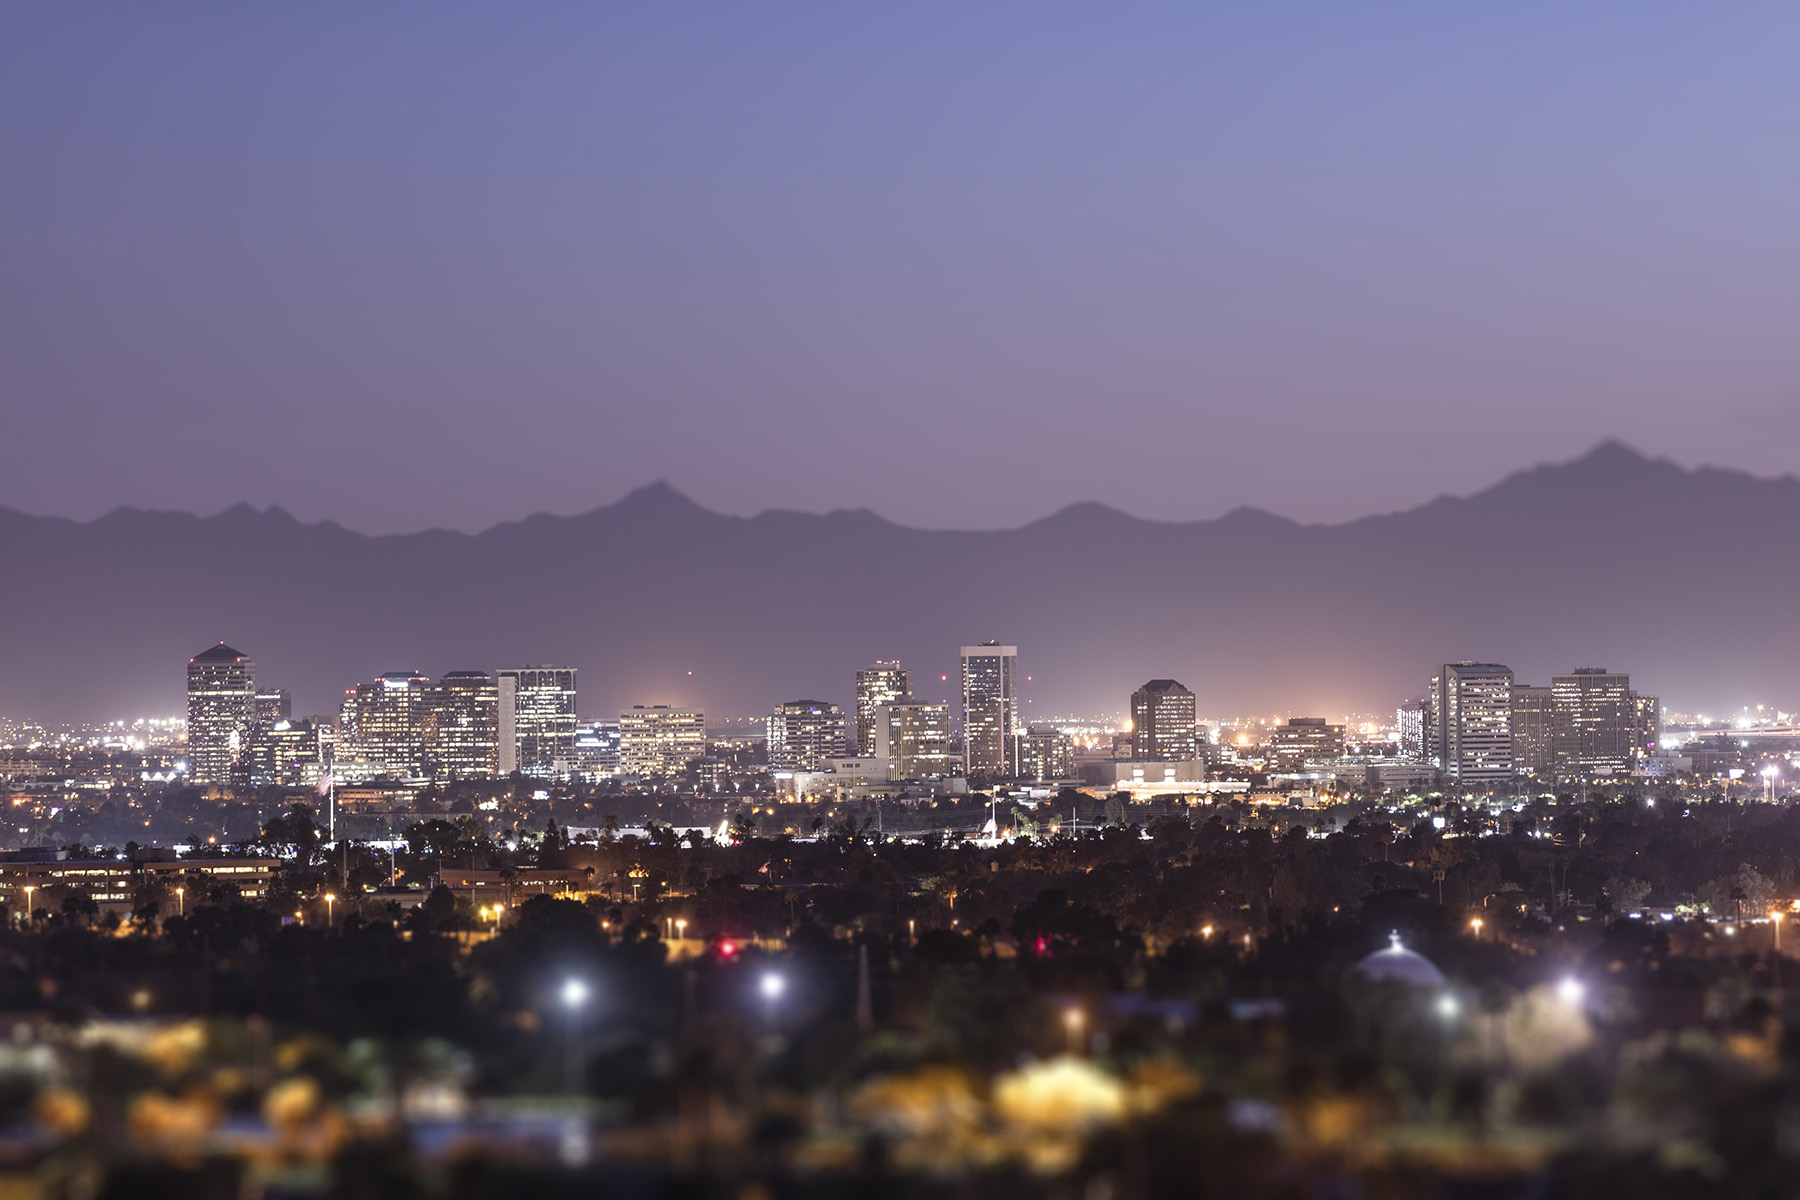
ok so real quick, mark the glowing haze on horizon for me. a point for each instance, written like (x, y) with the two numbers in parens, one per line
(445, 265)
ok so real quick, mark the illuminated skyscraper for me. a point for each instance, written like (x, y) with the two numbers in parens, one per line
(392, 721)
(659, 740)
(537, 719)
(803, 734)
(883, 683)
(1595, 724)
(273, 705)
(991, 729)
(466, 725)
(1163, 727)
(915, 739)
(1533, 718)
(1414, 722)
(1047, 753)
(1471, 721)
(221, 688)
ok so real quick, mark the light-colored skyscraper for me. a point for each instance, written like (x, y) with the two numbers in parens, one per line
(1594, 730)
(221, 691)
(1306, 740)
(1047, 753)
(1471, 721)
(991, 729)
(659, 740)
(1413, 719)
(803, 734)
(537, 719)
(466, 726)
(915, 739)
(882, 683)
(1163, 725)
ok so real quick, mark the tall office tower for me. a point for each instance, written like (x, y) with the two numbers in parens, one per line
(1532, 721)
(1163, 728)
(393, 720)
(466, 726)
(288, 753)
(1649, 724)
(991, 730)
(221, 688)
(1047, 753)
(537, 719)
(883, 683)
(915, 739)
(1413, 719)
(597, 748)
(272, 705)
(1471, 721)
(1306, 740)
(803, 734)
(660, 740)
(1594, 723)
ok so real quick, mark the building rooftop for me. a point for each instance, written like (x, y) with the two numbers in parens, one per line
(220, 653)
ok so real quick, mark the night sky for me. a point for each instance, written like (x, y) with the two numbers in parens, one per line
(415, 265)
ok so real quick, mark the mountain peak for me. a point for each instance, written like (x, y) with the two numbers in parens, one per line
(658, 497)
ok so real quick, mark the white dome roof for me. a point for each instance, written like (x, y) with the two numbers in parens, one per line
(1397, 964)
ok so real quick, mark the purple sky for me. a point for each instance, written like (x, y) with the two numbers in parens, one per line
(411, 265)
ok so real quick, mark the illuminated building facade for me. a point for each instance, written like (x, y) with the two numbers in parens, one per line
(1047, 753)
(1595, 722)
(1163, 725)
(1533, 717)
(597, 748)
(465, 726)
(390, 723)
(1471, 721)
(881, 684)
(1413, 720)
(272, 705)
(659, 740)
(803, 734)
(289, 753)
(991, 731)
(915, 739)
(1306, 740)
(537, 719)
(221, 695)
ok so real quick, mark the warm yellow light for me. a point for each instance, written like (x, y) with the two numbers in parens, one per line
(1206, 931)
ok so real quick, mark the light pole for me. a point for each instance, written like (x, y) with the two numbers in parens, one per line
(681, 929)
(574, 998)
(1475, 924)
(29, 888)
(1073, 1023)
(330, 911)
(181, 902)
(772, 987)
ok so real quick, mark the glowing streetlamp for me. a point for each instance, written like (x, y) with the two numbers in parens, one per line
(181, 901)
(1073, 1022)
(772, 986)
(681, 929)
(1776, 917)
(29, 888)
(574, 999)
(330, 909)
(1206, 933)
(1475, 924)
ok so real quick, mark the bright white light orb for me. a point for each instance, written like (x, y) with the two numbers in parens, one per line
(773, 985)
(574, 993)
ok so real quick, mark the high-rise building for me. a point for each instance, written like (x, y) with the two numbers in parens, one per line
(1163, 726)
(289, 753)
(1533, 718)
(803, 734)
(991, 730)
(272, 705)
(221, 690)
(1047, 753)
(1649, 724)
(465, 740)
(1306, 739)
(1413, 719)
(537, 719)
(659, 740)
(883, 683)
(1471, 721)
(915, 739)
(392, 719)
(1595, 725)
(597, 748)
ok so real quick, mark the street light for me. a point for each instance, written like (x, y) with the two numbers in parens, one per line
(330, 911)
(1475, 924)
(181, 901)
(29, 888)
(574, 997)
(1073, 1020)
(772, 986)
(681, 929)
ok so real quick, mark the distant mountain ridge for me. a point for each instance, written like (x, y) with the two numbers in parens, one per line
(1684, 578)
